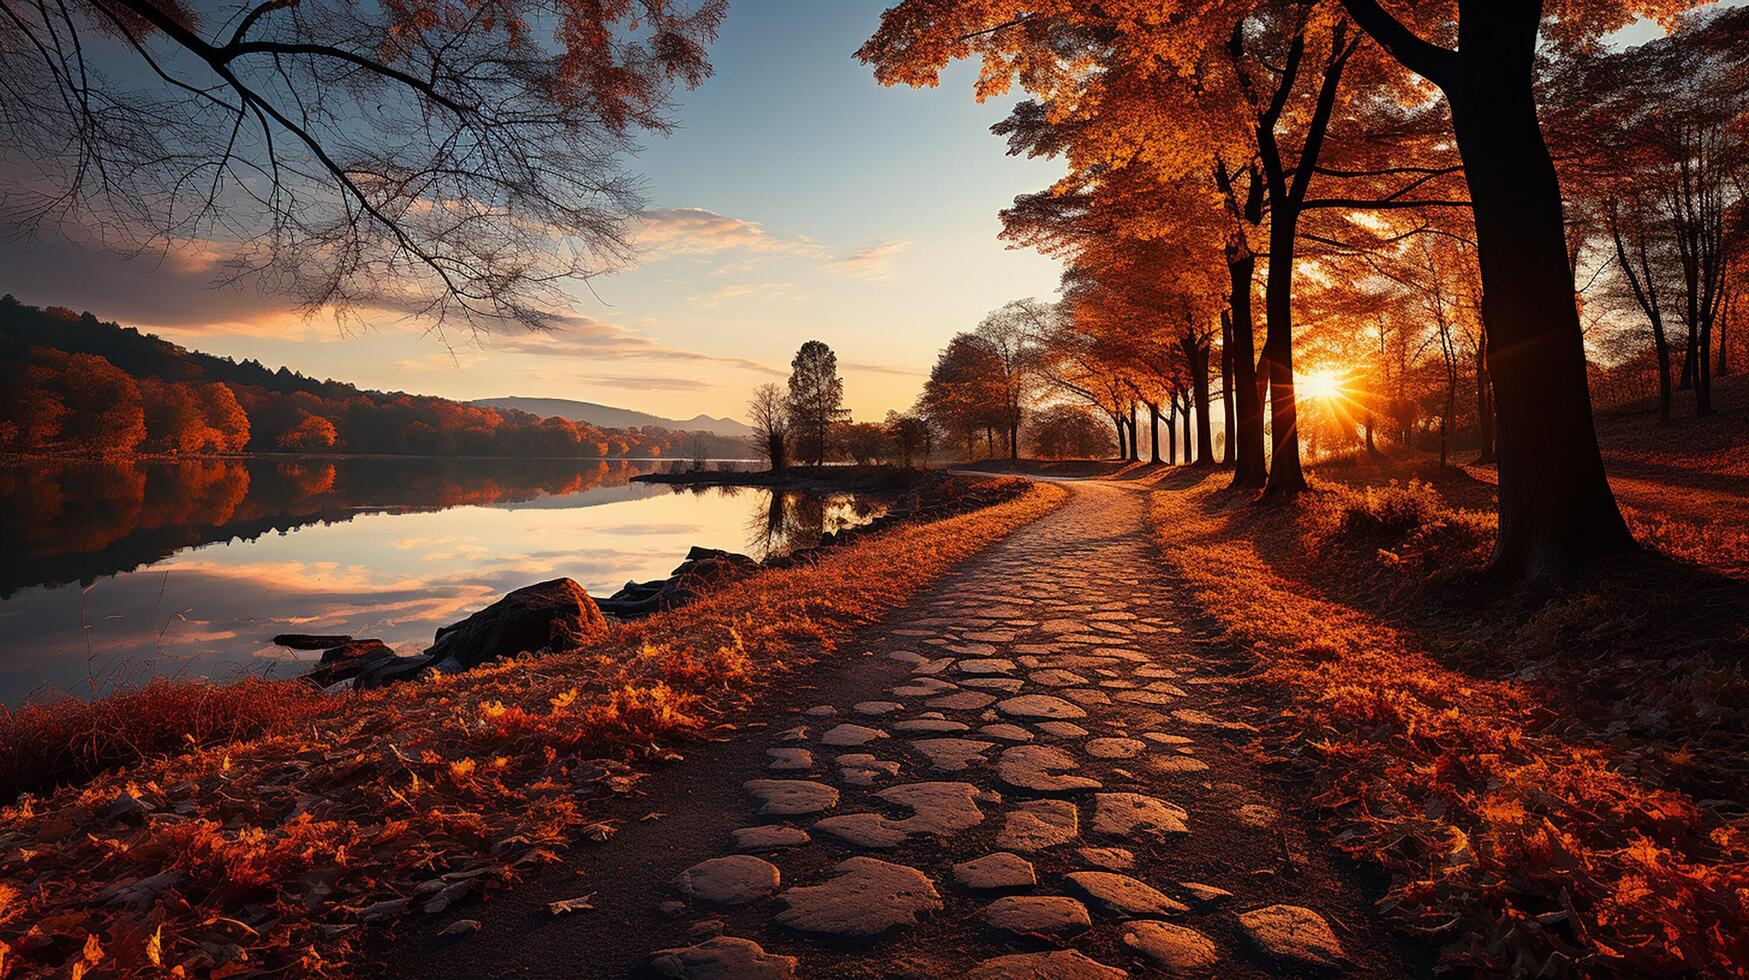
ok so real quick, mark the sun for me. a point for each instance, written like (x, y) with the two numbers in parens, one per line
(1323, 383)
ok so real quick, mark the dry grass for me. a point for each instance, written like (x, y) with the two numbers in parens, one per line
(68, 741)
(1553, 782)
(274, 853)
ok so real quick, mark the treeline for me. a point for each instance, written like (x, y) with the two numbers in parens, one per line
(1267, 201)
(985, 385)
(73, 385)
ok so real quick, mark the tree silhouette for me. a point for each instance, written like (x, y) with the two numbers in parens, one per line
(456, 160)
(816, 400)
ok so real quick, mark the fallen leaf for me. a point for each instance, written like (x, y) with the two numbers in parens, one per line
(461, 926)
(578, 904)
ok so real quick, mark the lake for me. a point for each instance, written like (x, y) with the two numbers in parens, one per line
(113, 573)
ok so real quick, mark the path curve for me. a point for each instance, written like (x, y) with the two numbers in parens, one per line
(1036, 768)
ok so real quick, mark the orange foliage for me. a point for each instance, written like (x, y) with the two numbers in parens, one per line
(1516, 839)
(270, 852)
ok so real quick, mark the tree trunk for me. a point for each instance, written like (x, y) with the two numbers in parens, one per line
(1286, 478)
(1227, 387)
(1187, 458)
(1014, 437)
(1154, 430)
(1199, 390)
(1135, 436)
(1172, 433)
(1371, 449)
(1556, 508)
(1484, 404)
(1249, 467)
(1117, 420)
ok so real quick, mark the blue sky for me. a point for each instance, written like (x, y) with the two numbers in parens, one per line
(797, 199)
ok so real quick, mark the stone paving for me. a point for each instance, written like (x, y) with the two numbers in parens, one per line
(1043, 773)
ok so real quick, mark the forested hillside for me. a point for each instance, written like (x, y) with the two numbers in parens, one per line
(71, 384)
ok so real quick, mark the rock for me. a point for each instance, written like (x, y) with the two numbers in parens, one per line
(1114, 748)
(953, 754)
(938, 809)
(1147, 697)
(1056, 678)
(733, 880)
(998, 870)
(1006, 732)
(1174, 948)
(871, 830)
(1030, 767)
(1204, 893)
(866, 897)
(930, 725)
(1085, 695)
(383, 671)
(877, 707)
(722, 958)
(790, 758)
(1007, 685)
(1177, 764)
(848, 734)
(346, 662)
(791, 797)
(1060, 729)
(1122, 895)
(1043, 915)
(311, 641)
(1126, 814)
(768, 837)
(821, 711)
(1294, 933)
(985, 666)
(1109, 858)
(962, 701)
(1062, 964)
(1038, 824)
(1039, 706)
(862, 769)
(556, 615)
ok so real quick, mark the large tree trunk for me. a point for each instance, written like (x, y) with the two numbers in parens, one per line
(1556, 508)
(1154, 430)
(1122, 452)
(1172, 434)
(1286, 478)
(1249, 467)
(1135, 436)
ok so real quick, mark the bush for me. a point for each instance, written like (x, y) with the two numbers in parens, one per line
(1392, 511)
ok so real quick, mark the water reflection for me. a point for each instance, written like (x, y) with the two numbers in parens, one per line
(114, 572)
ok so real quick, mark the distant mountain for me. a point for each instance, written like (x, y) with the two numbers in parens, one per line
(606, 416)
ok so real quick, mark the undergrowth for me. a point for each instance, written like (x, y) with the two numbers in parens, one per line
(1523, 765)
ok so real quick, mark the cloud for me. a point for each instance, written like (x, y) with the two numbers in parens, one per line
(176, 289)
(742, 291)
(667, 232)
(866, 368)
(585, 337)
(873, 262)
(650, 382)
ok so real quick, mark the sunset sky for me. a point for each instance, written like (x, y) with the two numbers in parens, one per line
(798, 199)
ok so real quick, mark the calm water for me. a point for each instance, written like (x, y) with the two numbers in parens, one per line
(111, 573)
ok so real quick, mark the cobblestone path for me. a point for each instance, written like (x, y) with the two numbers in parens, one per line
(1035, 770)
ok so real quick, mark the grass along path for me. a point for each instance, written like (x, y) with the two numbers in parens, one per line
(1038, 757)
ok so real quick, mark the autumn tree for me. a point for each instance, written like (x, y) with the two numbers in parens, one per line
(1010, 335)
(816, 400)
(456, 160)
(960, 396)
(908, 434)
(769, 413)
